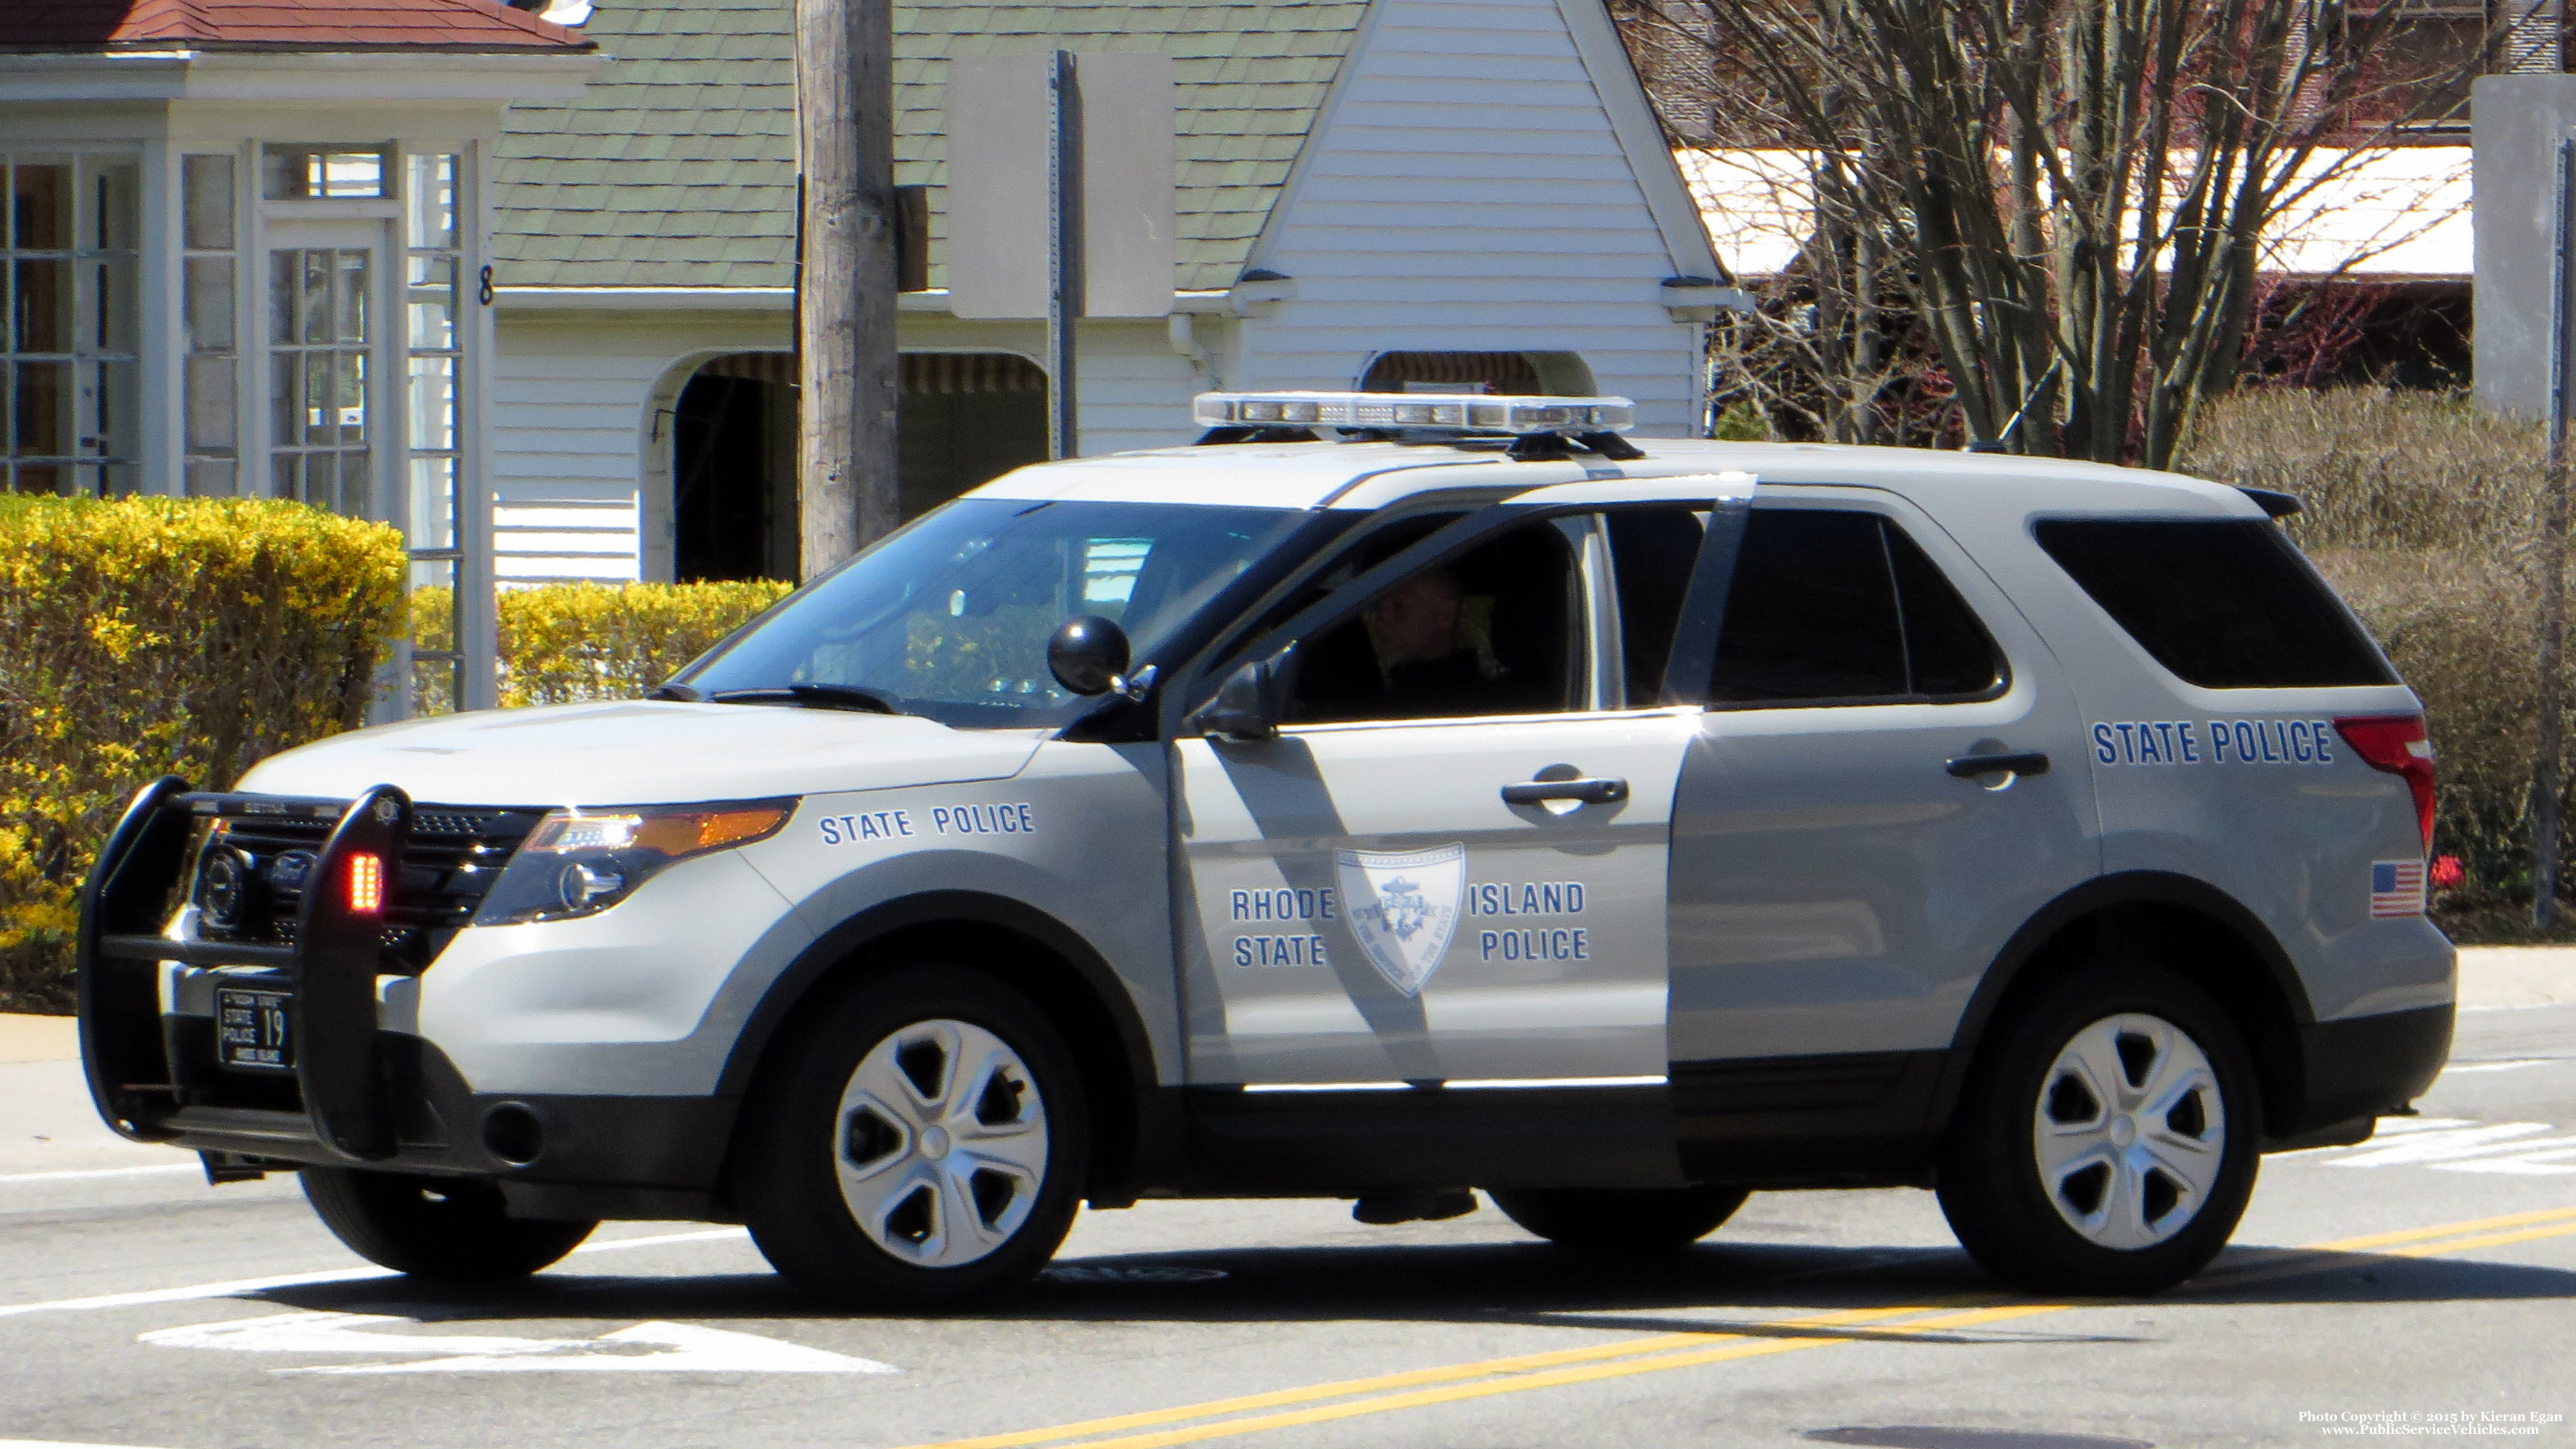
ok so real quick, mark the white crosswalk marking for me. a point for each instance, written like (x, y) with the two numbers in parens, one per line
(645, 1348)
(2457, 1144)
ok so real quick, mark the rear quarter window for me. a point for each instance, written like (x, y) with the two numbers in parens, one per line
(2221, 603)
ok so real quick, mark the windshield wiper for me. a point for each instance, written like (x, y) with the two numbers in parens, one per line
(681, 692)
(815, 696)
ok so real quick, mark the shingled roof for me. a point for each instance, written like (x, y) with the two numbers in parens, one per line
(308, 25)
(677, 167)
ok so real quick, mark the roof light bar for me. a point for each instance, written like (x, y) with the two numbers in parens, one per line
(1464, 412)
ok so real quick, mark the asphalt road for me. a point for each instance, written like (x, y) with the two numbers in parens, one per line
(2429, 1275)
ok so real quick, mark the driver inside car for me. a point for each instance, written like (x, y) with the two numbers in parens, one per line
(1430, 670)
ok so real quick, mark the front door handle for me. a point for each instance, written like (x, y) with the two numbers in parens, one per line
(1590, 792)
(1968, 767)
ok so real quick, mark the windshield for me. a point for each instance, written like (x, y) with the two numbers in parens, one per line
(951, 615)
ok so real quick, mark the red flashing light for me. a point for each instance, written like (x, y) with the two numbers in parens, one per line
(2397, 744)
(366, 880)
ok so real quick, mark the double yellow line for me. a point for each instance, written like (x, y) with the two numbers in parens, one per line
(1660, 1353)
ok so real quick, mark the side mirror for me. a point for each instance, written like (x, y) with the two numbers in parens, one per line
(1248, 706)
(1088, 654)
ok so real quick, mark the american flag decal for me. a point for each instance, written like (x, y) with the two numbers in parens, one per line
(2396, 889)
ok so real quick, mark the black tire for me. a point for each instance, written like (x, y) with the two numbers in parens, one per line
(1632, 1221)
(450, 1228)
(937, 1234)
(2134, 1220)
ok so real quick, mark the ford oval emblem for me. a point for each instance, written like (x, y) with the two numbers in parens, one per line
(288, 871)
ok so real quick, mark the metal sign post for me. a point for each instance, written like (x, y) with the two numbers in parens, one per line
(1064, 254)
(2545, 783)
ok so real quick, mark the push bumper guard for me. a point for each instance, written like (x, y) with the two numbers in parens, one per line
(344, 1067)
(364, 1096)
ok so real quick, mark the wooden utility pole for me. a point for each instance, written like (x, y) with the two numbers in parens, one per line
(845, 283)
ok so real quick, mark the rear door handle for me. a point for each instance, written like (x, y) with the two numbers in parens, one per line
(1968, 767)
(1590, 792)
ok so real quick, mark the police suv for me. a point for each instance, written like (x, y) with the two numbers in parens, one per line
(1392, 796)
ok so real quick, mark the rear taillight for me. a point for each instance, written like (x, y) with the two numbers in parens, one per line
(2397, 743)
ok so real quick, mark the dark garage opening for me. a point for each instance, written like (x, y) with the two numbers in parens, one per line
(965, 418)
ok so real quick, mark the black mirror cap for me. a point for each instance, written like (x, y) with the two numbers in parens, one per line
(1088, 654)
(1246, 706)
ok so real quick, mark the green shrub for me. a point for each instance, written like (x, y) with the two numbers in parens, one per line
(151, 636)
(2423, 513)
(562, 643)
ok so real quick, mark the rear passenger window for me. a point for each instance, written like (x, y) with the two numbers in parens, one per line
(1843, 607)
(2222, 603)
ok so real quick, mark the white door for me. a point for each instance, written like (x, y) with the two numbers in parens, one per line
(1450, 865)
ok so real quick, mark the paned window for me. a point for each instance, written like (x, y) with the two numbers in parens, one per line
(210, 240)
(68, 300)
(324, 173)
(320, 431)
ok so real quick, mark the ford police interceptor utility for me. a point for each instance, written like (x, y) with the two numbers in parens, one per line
(1469, 798)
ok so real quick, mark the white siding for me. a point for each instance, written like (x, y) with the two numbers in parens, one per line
(1135, 389)
(581, 452)
(1467, 192)
(576, 433)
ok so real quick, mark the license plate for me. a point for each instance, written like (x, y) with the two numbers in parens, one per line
(251, 1029)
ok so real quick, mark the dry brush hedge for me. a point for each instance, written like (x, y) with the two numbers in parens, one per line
(151, 636)
(2424, 513)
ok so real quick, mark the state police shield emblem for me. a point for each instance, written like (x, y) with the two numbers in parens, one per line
(1403, 908)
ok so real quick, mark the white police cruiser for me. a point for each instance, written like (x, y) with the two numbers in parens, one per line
(1481, 799)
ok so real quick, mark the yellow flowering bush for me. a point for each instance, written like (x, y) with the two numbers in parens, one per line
(150, 636)
(564, 643)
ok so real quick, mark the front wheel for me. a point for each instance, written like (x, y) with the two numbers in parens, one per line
(1620, 1220)
(923, 1145)
(451, 1228)
(2107, 1144)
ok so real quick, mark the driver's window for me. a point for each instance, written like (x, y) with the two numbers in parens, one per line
(1497, 630)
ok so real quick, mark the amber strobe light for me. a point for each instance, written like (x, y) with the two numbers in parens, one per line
(2397, 744)
(366, 883)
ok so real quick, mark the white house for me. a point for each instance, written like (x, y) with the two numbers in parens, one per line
(242, 255)
(1370, 192)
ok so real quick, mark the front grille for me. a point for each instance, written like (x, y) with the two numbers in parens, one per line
(451, 857)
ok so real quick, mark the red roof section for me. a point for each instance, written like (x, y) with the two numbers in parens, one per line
(278, 24)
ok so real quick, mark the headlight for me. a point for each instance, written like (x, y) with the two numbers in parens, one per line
(578, 863)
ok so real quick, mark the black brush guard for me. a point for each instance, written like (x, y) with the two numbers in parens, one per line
(341, 1060)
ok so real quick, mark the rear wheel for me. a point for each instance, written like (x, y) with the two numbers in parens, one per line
(925, 1144)
(2107, 1145)
(435, 1227)
(1620, 1220)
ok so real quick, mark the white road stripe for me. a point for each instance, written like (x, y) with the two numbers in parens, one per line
(238, 1286)
(69, 1175)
